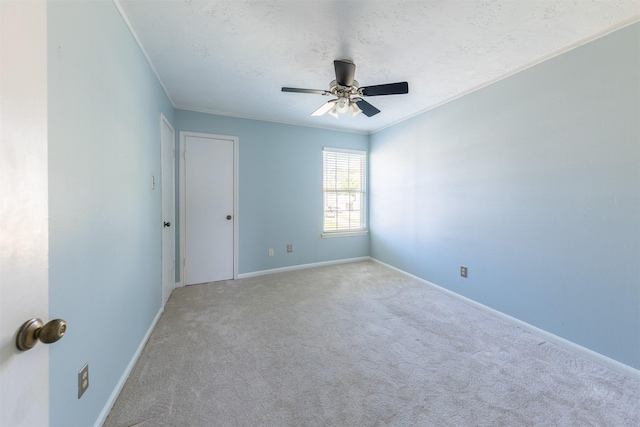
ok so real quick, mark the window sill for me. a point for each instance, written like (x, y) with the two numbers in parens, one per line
(331, 234)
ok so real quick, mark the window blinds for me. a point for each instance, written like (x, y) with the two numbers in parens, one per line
(344, 188)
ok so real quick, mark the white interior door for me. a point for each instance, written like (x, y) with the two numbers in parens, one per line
(209, 215)
(168, 208)
(24, 288)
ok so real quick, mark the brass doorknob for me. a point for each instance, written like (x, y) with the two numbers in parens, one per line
(33, 330)
(228, 216)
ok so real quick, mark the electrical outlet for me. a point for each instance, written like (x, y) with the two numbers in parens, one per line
(270, 251)
(83, 380)
(289, 248)
(463, 271)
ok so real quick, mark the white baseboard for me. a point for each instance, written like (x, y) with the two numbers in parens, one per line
(118, 388)
(301, 267)
(598, 358)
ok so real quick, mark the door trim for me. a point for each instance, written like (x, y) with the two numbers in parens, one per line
(236, 216)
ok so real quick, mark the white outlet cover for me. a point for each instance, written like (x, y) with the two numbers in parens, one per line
(83, 380)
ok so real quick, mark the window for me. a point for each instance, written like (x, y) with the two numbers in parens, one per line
(344, 189)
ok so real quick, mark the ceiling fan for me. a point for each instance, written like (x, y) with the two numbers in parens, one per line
(348, 92)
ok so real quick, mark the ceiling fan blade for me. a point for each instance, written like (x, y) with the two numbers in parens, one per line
(367, 109)
(324, 108)
(314, 91)
(345, 70)
(386, 89)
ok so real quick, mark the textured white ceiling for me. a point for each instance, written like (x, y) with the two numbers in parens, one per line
(233, 57)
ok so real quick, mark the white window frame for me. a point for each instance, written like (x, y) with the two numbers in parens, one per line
(362, 193)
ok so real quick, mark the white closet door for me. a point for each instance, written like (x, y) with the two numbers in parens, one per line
(209, 212)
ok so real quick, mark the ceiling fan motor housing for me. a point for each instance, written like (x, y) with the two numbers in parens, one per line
(344, 91)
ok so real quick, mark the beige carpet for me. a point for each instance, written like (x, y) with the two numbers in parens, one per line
(357, 345)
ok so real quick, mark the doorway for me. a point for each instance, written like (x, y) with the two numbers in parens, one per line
(208, 207)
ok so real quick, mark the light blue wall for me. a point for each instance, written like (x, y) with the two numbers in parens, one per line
(280, 190)
(105, 233)
(533, 183)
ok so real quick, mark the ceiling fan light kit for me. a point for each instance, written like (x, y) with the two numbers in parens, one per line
(355, 110)
(349, 93)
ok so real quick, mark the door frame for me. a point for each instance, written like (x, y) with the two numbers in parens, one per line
(172, 195)
(181, 212)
